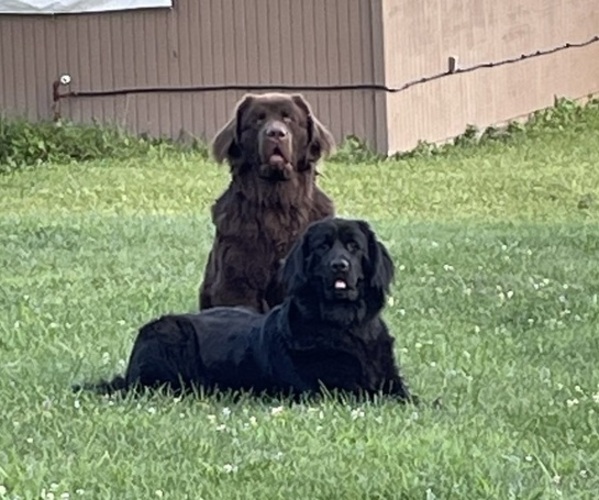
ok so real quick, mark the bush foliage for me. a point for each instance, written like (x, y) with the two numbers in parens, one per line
(25, 144)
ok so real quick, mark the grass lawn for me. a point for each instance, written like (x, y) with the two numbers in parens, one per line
(495, 308)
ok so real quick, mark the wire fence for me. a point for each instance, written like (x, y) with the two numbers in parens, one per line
(337, 87)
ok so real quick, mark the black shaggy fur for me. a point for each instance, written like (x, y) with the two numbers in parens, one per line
(328, 332)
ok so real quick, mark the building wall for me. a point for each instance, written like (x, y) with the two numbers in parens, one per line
(420, 36)
(199, 42)
(304, 43)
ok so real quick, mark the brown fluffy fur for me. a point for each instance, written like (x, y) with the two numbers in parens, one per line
(261, 214)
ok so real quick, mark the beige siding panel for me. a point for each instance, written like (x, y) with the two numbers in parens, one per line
(379, 72)
(441, 109)
(419, 38)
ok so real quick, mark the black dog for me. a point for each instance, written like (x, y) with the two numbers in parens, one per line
(327, 333)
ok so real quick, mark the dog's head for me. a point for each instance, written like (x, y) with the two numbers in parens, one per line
(339, 261)
(272, 136)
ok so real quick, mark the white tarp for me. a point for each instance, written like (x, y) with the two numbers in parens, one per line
(72, 6)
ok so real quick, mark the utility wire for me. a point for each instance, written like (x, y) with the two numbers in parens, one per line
(355, 86)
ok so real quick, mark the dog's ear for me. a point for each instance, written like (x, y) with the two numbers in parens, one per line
(380, 265)
(293, 270)
(321, 142)
(226, 145)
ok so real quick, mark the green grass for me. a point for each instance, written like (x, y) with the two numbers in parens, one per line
(495, 309)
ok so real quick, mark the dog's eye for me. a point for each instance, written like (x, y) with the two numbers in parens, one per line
(352, 246)
(324, 246)
(286, 116)
(261, 116)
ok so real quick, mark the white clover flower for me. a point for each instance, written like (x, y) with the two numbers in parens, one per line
(357, 413)
(276, 411)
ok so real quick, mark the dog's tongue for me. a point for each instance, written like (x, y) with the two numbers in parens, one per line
(340, 285)
(276, 158)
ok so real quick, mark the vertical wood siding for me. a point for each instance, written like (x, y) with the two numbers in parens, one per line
(304, 42)
(199, 42)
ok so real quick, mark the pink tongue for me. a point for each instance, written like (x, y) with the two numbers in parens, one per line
(276, 158)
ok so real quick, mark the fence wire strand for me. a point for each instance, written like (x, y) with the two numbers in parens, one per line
(337, 87)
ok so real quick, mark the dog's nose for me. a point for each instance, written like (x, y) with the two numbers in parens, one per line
(340, 265)
(276, 130)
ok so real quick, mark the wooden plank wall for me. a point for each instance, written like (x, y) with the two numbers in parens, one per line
(198, 42)
(310, 43)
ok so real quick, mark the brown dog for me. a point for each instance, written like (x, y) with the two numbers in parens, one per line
(272, 145)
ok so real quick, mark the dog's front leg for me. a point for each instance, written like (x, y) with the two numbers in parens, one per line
(393, 383)
(396, 387)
